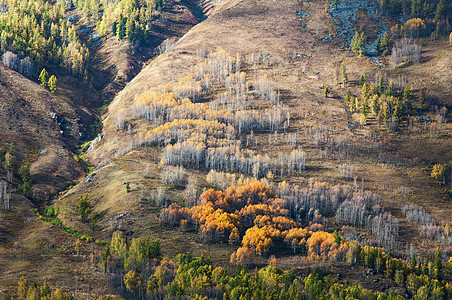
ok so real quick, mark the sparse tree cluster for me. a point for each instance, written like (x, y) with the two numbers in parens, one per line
(438, 233)
(132, 255)
(24, 66)
(346, 171)
(440, 172)
(417, 214)
(313, 202)
(358, 43)
(223, 180)
(363, 210)
(265, 89)
(166, 46)
(48, 82)
(405, 50)
(173, 176)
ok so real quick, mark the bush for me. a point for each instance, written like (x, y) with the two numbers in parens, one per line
(51, 212)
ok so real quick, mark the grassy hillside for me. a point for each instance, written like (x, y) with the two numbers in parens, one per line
(257, 89)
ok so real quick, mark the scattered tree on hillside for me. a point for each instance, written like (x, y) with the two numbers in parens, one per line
(52, 83)
(358, 43)
(406, 97)
(326, 91)
(362, 79)
(405, 50)
(84, 208)
(173, 176)
(384, 45)
(348, 96)
(43, 78)
(344, 75)
(10, 164)
(440, 172)
(25, 176)
(422, 99)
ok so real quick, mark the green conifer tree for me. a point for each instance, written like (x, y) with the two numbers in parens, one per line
(362, 79)
(344, 75)
(440, 11)
(43, 78)
(52, 83)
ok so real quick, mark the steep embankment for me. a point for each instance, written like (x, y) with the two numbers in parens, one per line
(45, 128)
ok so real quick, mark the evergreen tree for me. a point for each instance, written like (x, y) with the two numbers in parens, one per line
(365, 91)
(43, 78)
(415, 7)
(114, 27)
(406, 9)
(344, 75)
(348, 96)
(406, 96)
(25, 176)
(390, 89)
(383, 45)
(440, 11)
(84, 207)
(375, 105)
(438, 264)
(362, 79)
(358, 43)
(422, 100)
(355, 42)
(22, 287)
(381, 86)
(413, 262)
(52, 83)
(383, 5)
(325, 91)
(365, 107)
(121, 33)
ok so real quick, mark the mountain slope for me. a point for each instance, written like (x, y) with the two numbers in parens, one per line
(300, 61)
(287, 45)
